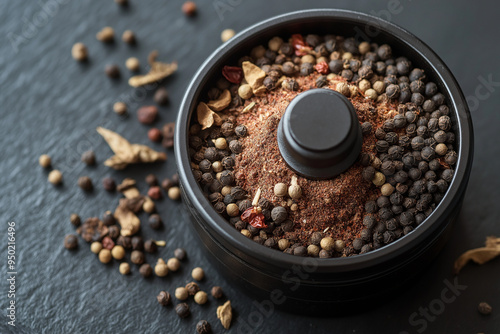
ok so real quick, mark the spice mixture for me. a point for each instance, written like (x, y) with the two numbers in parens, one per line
(402, 173)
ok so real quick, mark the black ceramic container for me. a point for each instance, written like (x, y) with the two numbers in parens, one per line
(336, 283)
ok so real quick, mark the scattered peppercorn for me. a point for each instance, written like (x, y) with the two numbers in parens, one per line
(106, 35)
(145, 270)
(154, 134)
(161, 268)
(163, 298)
(200, 297)
(137, 257)
(118, 252)
(484, 308)
(44, 161)
(70, 241)
(173, 264)
(189, 8)
(124, 268)
(79, 52)
(88, 157)
(147, 114)
(75, 219)
(85, 183)
(55, 177)
(192, 288)
(216, 292)
(198, 274)
(180, 254)
(120, 108)
(227, 34)
(150, 246)
(182, 310)
(95, 247)
(174, 193)
(181, 293)
(155, 193)
(105, 255)
(203, 327)
(128, 37)
(132, 64)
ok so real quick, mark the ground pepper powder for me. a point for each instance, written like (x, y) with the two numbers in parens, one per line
(334, 207)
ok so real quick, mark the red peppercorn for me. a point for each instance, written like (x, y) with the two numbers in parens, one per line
(254, 217)
(233, 74)
(321, 67)
(147, 114)
(155, 192)
(108, 243)
(189, 8)
(154, 135)
(301, 47)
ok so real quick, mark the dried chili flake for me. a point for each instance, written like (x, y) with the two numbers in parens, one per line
(322, 67)
(233, 74)
(254, 217)
(300, 46)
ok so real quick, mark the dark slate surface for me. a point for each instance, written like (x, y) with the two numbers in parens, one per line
(51, 104)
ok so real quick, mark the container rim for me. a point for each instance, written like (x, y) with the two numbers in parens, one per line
(224, 231)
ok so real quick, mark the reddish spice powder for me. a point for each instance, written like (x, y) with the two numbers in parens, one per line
(334, 207)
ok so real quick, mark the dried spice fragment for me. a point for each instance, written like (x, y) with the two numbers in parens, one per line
(129, 222)
(126, 153)
(479, 255)
(92, 229)
(222, 102)
(233, 74)
(254, 75)
(207, 117)
(157, 72)
(225, 314)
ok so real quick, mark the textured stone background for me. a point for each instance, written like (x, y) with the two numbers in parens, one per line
(51, 104)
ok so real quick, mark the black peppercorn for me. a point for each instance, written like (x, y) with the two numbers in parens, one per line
(357, 244)
(227, 178)
(306, 69)
(113, 232)
(371, 207)
(163, 298)
(388, 168)
(241, 131)
(368, 173)
(417, 143)
(321, 81)
(445, 123)
(438, 99)
(137, 243)
(235, 146)
(366, 128)
(108, 218)
(112, 71)
(125, 242)
(155, 221)
(451, 157)
(392, 91)
(70, 241)
(383, 202)
(85, 183)
(211, 154)
(205, 166)
(388, 125)
(279, 214)
(447, 175)
(182, 310)
(384, 52)
(146, 270)
(220, 207)
(391, 137)
(428, 153)
(203, 327)
(417, 99)
(382, 146)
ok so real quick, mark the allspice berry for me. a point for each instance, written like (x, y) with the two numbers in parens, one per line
(173, 264)
(294, 191)
(216, 292)
(44, 161)
(200, 297)
(128, 37)
(227, 34)
(70, 241)
(75, 220)
(327, 243)
(198, 274)
(145, 270)
(137, 257)
(120, 108)
(55, 177)
(106, 35)
(181, 293)
(105, 255)
(132, 64)
(124, 268)
(95, 247)
(79, 52)
(280, 189)
(85, 183)
(339, 245)
(161, 268)
(118, 252)
(245, 91)
(174, 193)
